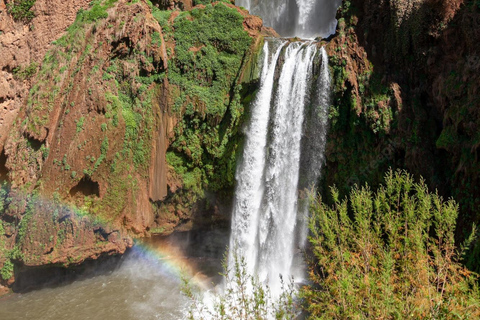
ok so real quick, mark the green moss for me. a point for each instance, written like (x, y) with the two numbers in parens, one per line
(211, 46)
(448, 138)
(206, 2)
(156, 40)
(98, 11)
(121, 189)
(104, 146)
(209, 52)
(157, 230)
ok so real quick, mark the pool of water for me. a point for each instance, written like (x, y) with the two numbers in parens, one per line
(143, 284)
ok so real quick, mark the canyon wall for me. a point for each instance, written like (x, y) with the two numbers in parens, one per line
(406, 95)
(125, 124)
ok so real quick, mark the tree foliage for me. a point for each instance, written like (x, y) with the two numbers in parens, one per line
(389, 254)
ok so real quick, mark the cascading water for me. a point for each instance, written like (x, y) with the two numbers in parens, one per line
(302, 18)
(265, 227)
(314, 141)
(250, 187)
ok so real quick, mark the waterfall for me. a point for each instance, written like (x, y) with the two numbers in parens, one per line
(265, 223)
(250, 187)
(306, 19)
(314, 141)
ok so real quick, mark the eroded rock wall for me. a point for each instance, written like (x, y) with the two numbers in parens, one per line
(23, 45)
(129, 125)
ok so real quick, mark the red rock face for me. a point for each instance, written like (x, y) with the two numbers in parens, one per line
(62, 140)
(23, 44)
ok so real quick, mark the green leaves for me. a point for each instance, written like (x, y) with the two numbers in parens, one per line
(389, 254)
(7, 270)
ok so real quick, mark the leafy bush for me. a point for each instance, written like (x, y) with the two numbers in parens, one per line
(7, 270)
(243, 298)
(20, 10)
(389, 255)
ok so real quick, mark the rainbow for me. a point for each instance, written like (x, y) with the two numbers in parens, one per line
(172, 262)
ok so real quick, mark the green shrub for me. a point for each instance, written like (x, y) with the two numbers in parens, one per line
(205, 2)
(20, 10)
(389, 255)
(80, 123)
(98, 11)
(7, 270)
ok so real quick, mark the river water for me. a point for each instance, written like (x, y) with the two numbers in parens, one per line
(143, 284)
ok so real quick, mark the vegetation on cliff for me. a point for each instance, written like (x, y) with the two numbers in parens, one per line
(405, 96)
(200, 80)
(21, 9)
(129, 86)
(211, 46)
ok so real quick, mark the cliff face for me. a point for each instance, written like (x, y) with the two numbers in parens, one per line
(406, 95)
(126, 123)
(23, 46)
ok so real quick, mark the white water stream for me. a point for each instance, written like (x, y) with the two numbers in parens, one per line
(267, 227)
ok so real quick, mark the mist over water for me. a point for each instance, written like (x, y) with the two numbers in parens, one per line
(136, 290)
(306, 19)
(143, 284)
